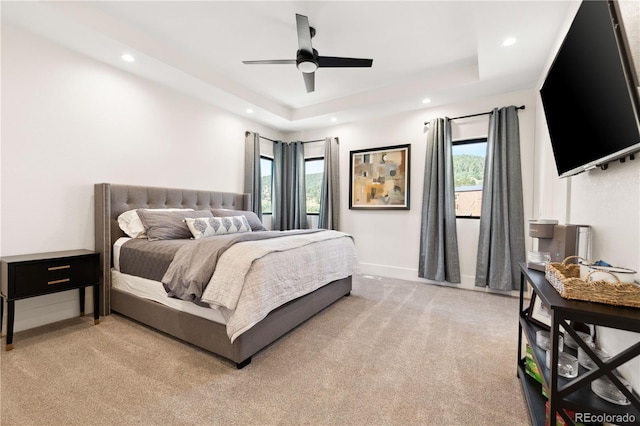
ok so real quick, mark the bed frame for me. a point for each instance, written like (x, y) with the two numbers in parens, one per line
(111, 200)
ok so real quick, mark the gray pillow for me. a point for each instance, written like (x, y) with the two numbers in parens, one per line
(252, 218)
(168, 225)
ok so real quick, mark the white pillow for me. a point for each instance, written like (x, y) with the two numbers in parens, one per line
(202, 227)
(131, 224)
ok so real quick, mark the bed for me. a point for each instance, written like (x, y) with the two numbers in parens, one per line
(201, 326)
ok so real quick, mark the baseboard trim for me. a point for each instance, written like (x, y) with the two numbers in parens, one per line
(410, 274)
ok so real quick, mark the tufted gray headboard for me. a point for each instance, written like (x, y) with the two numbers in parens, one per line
(112, 200)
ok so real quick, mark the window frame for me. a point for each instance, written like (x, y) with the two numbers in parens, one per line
(265, 157)
(483, 139)
(305, 175)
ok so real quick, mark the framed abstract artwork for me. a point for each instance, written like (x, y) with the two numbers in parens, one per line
(379, 178)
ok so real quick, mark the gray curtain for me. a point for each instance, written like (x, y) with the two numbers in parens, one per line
(289, 192)
(252, 176)
(501, 244)
(438, 236)
(330, 191)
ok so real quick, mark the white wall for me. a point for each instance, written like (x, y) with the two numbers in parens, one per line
(608, 201)
(69, 122)
(388, 241)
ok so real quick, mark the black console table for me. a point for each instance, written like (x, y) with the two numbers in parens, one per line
(572, 394)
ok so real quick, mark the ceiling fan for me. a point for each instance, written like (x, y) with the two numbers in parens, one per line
(307, 58)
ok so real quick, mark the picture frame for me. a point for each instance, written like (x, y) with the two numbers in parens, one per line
(379, 178)
(538, 313)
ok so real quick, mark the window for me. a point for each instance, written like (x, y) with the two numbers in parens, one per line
(266, 183)
(313, 169)
(468, 174)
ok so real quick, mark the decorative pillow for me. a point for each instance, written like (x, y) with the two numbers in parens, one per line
(131, 225)
(252, 218)
(208, 227)
(168, 225)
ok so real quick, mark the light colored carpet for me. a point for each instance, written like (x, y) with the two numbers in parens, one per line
(393, 353)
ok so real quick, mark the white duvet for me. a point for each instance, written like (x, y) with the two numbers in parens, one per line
(254, 277)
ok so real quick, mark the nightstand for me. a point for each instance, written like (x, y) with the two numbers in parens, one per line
(38, 274)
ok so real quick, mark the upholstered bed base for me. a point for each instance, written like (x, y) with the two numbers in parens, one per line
(112, 200)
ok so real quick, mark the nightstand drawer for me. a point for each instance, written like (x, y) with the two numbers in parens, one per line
(49, 276)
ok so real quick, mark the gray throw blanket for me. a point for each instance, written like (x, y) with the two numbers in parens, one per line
(193, 264)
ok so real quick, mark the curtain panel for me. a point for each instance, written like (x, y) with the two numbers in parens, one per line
(501, 244)
(439, 259)
(330, 191)
(252, 175)
(289, 207)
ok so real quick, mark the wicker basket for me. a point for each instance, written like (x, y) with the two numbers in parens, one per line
(565, 278)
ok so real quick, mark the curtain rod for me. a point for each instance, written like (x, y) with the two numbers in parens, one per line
(271, 140)
(473, 115)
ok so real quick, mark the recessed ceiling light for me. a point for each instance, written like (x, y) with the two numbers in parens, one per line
(249, 111)
(127, 57)
(426, 101)
(510, 41)
(334, 119)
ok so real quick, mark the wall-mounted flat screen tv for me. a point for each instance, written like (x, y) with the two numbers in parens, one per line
(590, 93)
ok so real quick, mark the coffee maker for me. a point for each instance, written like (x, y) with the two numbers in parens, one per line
(559, 241)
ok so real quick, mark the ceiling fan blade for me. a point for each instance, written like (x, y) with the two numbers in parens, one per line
(333, 61)
(304, 33)
(273, 61)
(309, 81)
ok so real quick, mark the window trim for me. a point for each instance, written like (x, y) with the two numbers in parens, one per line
(483, 139)
(305, 163)
(265, 157)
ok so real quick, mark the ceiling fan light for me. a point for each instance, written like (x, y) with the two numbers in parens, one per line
(307, 67)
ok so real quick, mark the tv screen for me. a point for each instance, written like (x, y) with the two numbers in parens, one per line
(590, 94)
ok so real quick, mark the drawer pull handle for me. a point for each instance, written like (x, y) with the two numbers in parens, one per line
(57, 268)
(65, 280)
